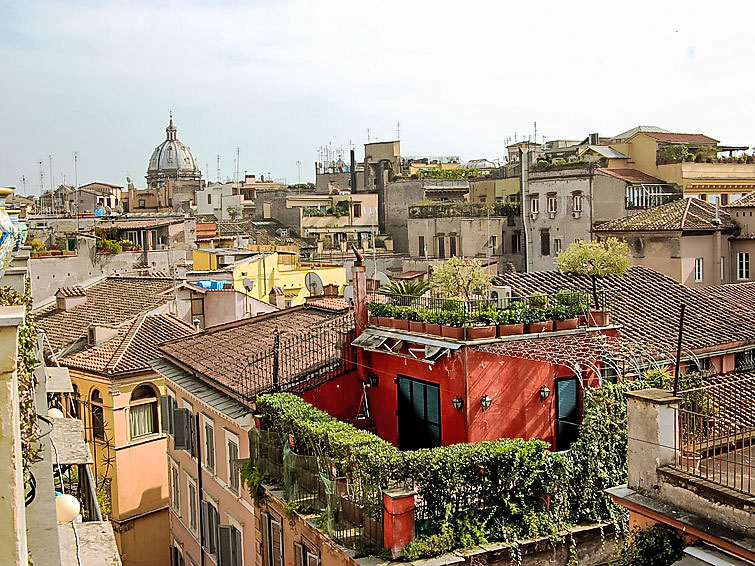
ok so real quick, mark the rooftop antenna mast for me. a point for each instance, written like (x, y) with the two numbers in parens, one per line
(23, 181)
(238, 162)
(218, 173)
(368, 135)
(536, 133)
(398, 130)
(298, 167)
(41, 179)
(76, 182)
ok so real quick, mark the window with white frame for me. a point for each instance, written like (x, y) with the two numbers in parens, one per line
(210, 522)
(698, 270)
(191, 503)
(743, 265)
(304, 555)
(577, 203)
(534, 205)
(175, 488)
(209, 444)
(556, 245)
(552, 205)
(232, 448)
(143, 411)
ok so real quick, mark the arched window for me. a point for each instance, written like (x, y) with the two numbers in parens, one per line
(143, 409)
(75, 402)
(98, 414)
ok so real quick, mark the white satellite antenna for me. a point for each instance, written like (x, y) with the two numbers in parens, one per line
(382, 278)
(313, 283)
(348, 294)
(248, 284)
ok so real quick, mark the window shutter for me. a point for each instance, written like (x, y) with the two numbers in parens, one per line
(167, 409)
(265, 528)
(204, 516)
(236, 552)
(298, 554)
(214, 520)
(312, 559)
(182, 429)
(192, 434)
(276, 536)
(225, 545)
(173, 556)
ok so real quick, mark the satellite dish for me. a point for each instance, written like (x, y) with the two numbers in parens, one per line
(248, 284)
(348, 294)
(128, 180)
(313, 283)
(99, 211)
(382, 278)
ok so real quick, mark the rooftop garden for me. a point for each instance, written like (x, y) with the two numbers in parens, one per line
(679, 153)
(458, 173)
(543, 164)
(438, 209)
(341, 208)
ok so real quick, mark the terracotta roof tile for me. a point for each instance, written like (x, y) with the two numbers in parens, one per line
(744, 200)
(264, 232)
(632, 176)
(338, 304)
(114, 300)
(76, 291)
(132, 348)
(647, 303)
(670, 137)
(682, 214)
(223, 353)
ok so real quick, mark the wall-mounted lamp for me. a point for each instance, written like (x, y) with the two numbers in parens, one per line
(458, 403)
(486, 401)
(544, 392)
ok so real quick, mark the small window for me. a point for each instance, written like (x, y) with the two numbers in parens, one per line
(357, 209)
(724, 199)
(534, 205)
(516, 242)
(191, 503)
(234, 479)
(545, 243)
(175, 489)
(142, 203)
(556, 245)
(743, 266)
(143, 411)
(493, 244)
(210, 523)
(577, 203)
(209, 198)
(209, 445)
(552, 205)
(441, 247)
(452, 243)
(98, 415)
(421, 246)
(698, 270)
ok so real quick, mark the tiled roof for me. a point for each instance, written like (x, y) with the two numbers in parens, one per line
(76, 291)
(206, 218)
(632, 176)
(647, 304)
(670, 137)
(223, 353)
(682, 214)
(139, 224)
(264, 232)
(744, 200)
(132, 348)
(410, 275)
(338, 304)
(114, 300)
(738, 295)
(605, 151)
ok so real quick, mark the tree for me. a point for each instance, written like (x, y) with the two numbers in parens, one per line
(462, 278)
(410, 288)
(234, 211)
(595, 259)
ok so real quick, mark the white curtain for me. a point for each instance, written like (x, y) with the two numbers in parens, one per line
(142, 419)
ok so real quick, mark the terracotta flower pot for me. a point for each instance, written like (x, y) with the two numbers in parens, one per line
(544, 326)
(435, 329)
(45, 254)
(34, 254)
(582, 320)
(416, 326)
(690, 461)
(456, 332)
(510, 329)
(66, 252)
(373, 320)
(385, 321)
(400, 324)
(480, 332)
(599, 318)
(568, 324)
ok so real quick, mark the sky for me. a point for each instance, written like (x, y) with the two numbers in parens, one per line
(278, 79)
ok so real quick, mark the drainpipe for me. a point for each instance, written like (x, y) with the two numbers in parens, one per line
(359, 282)
(590, 204)
(523, 157)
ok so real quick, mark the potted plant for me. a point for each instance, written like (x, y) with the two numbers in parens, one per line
(563, 317)
(538, 300)
(433, 322)
(452, 322)
(375, 312)
(537, 320)
(480, 326)
(510, 321)
(401, 317)
(417, 320)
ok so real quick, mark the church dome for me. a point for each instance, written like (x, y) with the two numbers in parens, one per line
(171, 160)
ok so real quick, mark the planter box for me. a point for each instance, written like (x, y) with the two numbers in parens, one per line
(480, 332)
(33, 254)
(415, 326)
(45, 254)
(400, 324)
(582, 320)
(545, 326)
(69, 252)
(599, 318)
(510, 329)
(373, 320)
(385, 321)
(456, 332)
(435, 329)
(56, 252)
(568, 324)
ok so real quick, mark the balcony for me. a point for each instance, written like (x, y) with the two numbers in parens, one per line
(463, 209)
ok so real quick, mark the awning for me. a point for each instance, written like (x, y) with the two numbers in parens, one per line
(419, 347)
(57, 380)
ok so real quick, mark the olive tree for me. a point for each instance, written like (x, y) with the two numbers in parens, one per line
(463, 278)
(595, 259)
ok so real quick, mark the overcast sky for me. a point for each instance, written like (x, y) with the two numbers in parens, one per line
(278, 79)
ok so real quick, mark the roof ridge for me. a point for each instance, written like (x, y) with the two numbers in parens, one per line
(684, 214)
(120, 351)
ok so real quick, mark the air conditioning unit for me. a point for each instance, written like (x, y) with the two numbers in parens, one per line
(533, 215)
(576, 214)
(501, 294)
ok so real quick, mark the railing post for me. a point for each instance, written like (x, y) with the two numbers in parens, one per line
(398, 519)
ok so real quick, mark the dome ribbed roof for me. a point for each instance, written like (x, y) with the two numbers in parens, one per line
(172, 157)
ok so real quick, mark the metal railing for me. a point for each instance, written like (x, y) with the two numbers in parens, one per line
(716, 429)
(457, 209)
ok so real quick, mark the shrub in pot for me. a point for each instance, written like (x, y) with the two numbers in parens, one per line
(401, 317)
(452, 324)
(510, 322)
(538, 300)
(433, 322)
(563, 317)
(377, 312)
(537, 320)
(481, 325)
(417, 319)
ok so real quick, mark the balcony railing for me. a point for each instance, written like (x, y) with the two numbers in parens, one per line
(460, 209)
(716, 429)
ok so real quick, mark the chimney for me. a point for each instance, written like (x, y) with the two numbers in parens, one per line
(97, 334)
(360, 295)
(353, 172)
(330, 290)
(594, 139)
(69, 298)
(277, 298)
